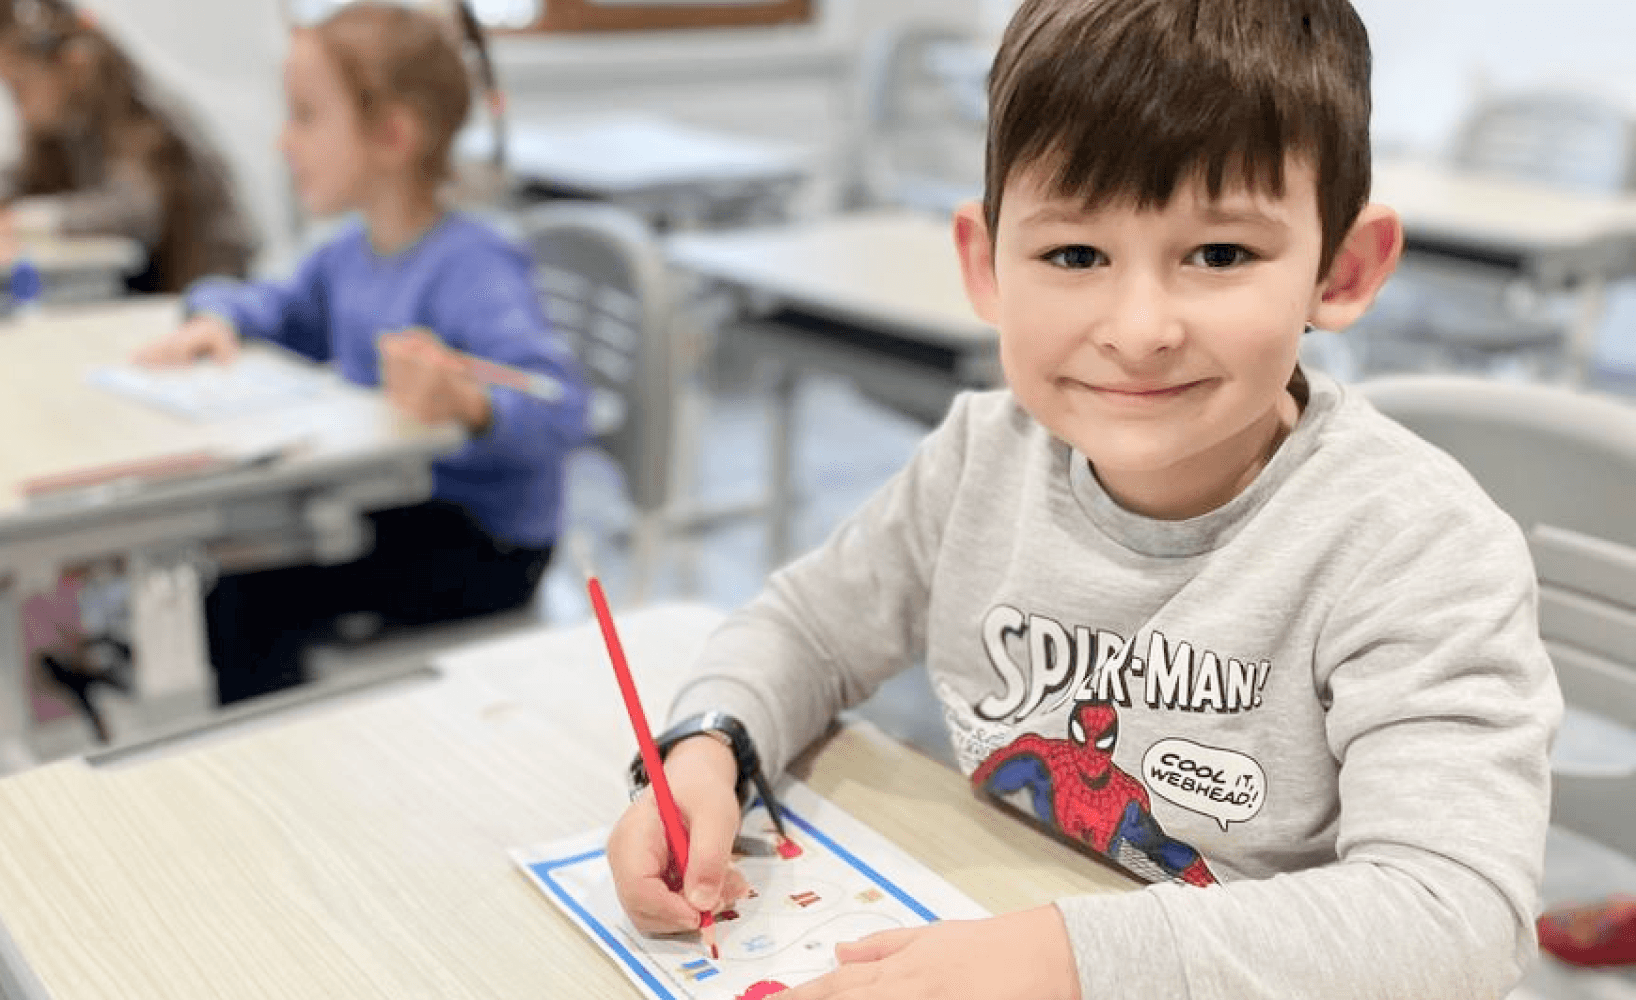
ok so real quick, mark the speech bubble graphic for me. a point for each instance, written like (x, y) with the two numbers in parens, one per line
(1225, 785)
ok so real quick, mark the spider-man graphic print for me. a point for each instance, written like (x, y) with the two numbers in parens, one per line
(1073, 784)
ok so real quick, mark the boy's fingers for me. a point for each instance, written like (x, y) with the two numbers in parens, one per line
(710, 849)
(735, 888)
(876, 946)
(654, 908)
(639, 857)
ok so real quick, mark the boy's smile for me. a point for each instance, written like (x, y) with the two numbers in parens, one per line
(1159, 342)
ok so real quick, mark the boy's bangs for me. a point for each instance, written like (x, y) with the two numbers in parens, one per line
(1113, 100)
(1144, 164)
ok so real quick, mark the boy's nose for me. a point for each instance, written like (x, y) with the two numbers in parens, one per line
(1140, 322)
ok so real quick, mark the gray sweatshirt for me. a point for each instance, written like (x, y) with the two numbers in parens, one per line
(1316, 719)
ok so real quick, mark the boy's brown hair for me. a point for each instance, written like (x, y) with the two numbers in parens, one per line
(391, 54)
(1127, 98)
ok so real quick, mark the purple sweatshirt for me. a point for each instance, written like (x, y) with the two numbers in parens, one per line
(473, 288)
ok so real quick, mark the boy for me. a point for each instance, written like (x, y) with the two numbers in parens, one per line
(1215, 619)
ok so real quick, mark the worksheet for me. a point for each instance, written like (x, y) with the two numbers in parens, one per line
(207, 391)
(834, 880)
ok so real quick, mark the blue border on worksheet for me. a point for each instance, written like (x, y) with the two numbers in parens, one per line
(544, 869)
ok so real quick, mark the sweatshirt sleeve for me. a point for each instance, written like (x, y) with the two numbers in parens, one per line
(293, 312)
(487, 307)
(1441, 704)
(833, 625)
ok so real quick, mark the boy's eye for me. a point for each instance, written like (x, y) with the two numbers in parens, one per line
(1219, 255)
(1075, 257)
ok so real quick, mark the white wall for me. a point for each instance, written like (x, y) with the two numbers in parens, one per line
(1433, 58)
(222, 58)
(788, 84)
(792, 84)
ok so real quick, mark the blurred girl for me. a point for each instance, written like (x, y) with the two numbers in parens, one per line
(376, 94)
(100, 156)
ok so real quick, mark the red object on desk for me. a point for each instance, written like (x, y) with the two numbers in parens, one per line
(175, 466)
(1592, 934)
(675, 833)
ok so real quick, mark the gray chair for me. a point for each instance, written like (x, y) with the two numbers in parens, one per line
(1446, 313)
(1563, 464)
(922, 117)
(602, 278)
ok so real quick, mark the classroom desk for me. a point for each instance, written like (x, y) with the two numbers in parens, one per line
(81, 268)
(355, 454)
(361, 850)
(1556, 240)
(672, 174)
(874, 297)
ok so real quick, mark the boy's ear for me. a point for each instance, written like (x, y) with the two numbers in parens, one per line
(1365, 259)
(976, 248)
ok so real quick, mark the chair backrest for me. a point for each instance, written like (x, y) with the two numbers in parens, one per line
(1563, 464)
(602, 279)
(1559, 137)
(923, 109)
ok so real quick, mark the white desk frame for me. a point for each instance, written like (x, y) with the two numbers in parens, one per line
(672, 174)
(356, 455)
(1557, 240)
(874, 297)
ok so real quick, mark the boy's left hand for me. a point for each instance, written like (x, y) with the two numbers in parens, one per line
(428, 381)
(1023, 955)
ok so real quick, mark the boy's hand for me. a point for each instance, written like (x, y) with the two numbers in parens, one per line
(202, 336)
(428, 381)
(702, 778)
(1022, 955)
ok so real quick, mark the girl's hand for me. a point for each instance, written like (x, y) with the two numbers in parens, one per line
(1022, 955)
(202, 336)
(702, 778)
(428, 381)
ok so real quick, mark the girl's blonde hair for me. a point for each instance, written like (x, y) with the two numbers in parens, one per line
(392, 54)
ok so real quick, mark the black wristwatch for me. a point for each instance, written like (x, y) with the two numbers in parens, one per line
(720, 725)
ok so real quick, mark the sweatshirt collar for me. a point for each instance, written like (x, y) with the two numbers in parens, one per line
(1198, 535)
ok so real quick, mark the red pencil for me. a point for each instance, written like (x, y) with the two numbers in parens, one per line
(675, 833)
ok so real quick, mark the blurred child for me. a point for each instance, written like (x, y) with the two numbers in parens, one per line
(102, 156)
(376, 94)
(1210, 616)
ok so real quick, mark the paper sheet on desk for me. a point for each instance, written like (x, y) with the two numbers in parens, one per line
(848, 882)
(208, 391)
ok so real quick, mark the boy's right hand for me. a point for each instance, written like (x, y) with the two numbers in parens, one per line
(702, 778)
(202, 336)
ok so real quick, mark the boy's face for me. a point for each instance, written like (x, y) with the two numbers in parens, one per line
(322, 140)
(1156, 342)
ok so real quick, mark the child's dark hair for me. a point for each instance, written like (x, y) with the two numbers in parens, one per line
(1126, 98)
(391, 54)
(203, 230)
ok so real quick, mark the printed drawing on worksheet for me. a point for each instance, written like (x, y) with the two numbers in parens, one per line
(835, 880)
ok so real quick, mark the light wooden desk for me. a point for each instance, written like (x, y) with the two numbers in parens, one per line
(361, 851)
(670, 173)
(356, 455)
(873, 297)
